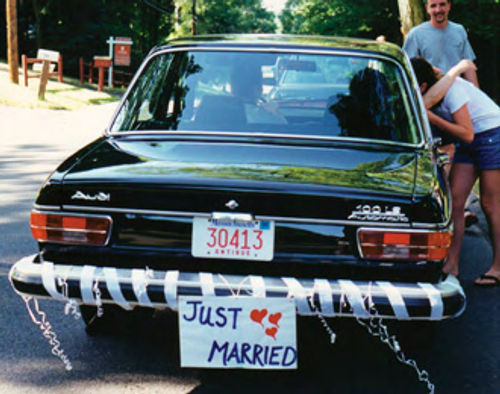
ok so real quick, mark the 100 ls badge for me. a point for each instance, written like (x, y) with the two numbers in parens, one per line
(374, 213)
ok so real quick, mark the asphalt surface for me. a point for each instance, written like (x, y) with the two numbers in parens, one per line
(462, 357)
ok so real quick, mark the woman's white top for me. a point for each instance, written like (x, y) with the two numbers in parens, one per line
(484, 112)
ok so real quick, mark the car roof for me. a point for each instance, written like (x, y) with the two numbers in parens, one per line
(283, 41)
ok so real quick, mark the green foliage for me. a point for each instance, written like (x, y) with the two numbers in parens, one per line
(228, 16)
(480, 17)
(80, 28)
(362, 18)
(369, 19)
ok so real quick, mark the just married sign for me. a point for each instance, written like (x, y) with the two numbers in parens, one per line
(237, 332)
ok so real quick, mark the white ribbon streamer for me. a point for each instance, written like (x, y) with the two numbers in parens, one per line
(139, 284)
(322, 287)
(114, 288)
(355, 298)
(297, 291)
(170, 288)
(396, 300)
(49, 281)
(207, 284)
(258, 286)
(435, 300)
(86, 284)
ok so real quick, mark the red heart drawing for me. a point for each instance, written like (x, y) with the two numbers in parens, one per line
(274, 318)
(257, 315)
(272, 332)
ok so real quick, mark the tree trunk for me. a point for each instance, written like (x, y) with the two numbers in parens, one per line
(12, 51)
(38, 24)
(411, 13)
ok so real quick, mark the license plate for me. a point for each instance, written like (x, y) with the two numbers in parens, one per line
(228, 238)
(237, 332)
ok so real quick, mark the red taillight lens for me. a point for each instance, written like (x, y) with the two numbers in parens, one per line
(404, 245)
(66, 228)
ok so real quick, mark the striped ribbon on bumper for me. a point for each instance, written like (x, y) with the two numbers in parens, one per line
(335, 298)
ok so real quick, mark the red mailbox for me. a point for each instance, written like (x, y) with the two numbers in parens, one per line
(101, 62)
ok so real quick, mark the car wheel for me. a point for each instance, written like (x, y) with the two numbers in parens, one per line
(416, 336)
(114, 320)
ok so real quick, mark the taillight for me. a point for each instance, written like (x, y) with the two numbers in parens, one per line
(70, 228)
(404, 245)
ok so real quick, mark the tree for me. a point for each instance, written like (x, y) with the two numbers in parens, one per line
(362, 18)
(222, 17)
(39, 9)
(411, 13)
(80, 28)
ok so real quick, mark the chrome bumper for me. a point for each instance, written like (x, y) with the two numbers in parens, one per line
(159, 289)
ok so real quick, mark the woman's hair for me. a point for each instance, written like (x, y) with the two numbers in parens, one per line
(424, 71)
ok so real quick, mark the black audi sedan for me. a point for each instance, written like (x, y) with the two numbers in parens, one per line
(245, 180)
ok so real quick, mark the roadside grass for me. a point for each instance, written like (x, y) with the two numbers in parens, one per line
(69, 95)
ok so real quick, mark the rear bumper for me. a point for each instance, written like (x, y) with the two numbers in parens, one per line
(159, 289)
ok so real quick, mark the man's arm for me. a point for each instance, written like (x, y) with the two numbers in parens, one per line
(441, 87)
(468, 53)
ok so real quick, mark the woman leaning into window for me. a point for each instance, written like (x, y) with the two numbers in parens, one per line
(470, 115)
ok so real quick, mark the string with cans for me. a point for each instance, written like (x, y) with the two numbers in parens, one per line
(71, 306)
(98, 300)
(375, 326)
(47, 330)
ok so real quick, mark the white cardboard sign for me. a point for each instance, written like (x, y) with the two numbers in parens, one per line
(237, 332)
(47, 54)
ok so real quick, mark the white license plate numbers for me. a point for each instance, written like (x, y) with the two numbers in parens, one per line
(233, 239)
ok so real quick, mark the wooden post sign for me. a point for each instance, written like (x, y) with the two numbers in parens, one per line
(47, 56)
(119, 51)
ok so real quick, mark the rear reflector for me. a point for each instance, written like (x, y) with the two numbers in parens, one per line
(70, 228)
(403, 245)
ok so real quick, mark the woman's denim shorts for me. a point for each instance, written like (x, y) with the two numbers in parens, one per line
(483, 152)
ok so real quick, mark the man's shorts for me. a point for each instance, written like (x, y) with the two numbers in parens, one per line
(483, 152)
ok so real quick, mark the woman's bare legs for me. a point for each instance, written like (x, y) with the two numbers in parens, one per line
(462, 178)
(490, 202)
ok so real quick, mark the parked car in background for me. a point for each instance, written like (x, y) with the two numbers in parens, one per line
(206, 189)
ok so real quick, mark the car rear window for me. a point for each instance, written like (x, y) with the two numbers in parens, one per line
(277, 93)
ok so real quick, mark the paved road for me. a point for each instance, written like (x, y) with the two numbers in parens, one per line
(464, 357)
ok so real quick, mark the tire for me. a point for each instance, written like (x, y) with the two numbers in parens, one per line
(416, 336)
(114, 320)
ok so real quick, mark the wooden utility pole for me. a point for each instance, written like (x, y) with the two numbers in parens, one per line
(411, 13)
(12, 53)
